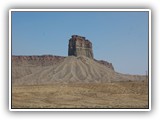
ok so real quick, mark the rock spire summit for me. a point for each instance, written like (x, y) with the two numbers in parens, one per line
(79, 45)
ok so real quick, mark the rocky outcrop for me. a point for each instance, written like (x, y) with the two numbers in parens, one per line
(44, 60)
(79, 45)
(105, 63)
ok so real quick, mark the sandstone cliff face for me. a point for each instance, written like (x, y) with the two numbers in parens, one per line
(79, 45)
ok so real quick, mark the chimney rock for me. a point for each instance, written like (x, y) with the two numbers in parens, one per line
(79, 45)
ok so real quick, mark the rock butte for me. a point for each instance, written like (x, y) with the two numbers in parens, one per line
(79, 45)
(79, 67)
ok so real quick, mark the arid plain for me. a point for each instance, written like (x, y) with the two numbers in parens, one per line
(109, 95)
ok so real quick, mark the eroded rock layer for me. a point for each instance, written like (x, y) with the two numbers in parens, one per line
(81, 69)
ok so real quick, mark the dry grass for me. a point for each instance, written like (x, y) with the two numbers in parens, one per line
(93, 95)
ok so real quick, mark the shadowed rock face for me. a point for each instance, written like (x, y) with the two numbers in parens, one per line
(79, 45)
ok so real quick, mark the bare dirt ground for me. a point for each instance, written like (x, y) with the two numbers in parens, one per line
(87, 95)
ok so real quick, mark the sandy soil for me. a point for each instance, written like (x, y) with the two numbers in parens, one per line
(95, 95)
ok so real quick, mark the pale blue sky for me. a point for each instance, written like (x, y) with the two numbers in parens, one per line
(117, 37)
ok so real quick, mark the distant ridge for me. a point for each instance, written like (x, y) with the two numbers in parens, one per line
(42, 60)
(35, 70)
(45, 60)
